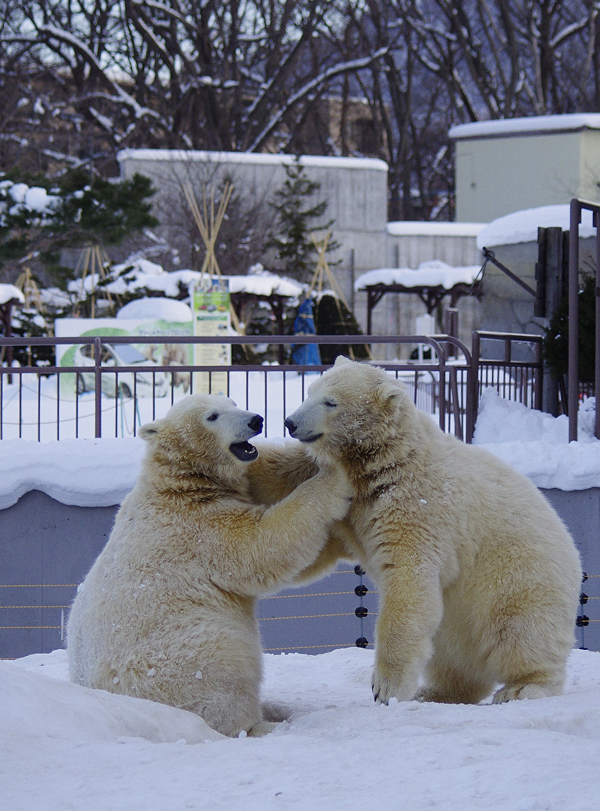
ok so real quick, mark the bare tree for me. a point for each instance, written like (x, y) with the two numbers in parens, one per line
(174, 73)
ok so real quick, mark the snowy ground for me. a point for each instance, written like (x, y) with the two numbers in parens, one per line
(64, 747)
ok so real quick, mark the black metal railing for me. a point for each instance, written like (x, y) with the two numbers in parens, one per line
(103, 399)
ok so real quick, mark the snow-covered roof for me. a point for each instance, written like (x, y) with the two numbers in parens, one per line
(405, 228)
(264, 284)
(433, 273)
(201, 156)
(143, 274)
(166, 309)
(522, 226)
(8, 292)
(529, 125)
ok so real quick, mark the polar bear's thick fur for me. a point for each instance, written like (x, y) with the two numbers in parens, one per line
(167, 611)
(478, 578)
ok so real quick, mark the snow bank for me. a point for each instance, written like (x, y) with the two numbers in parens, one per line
(53, 708)
(537, 444)
(100, 472)
(522, 226)
(157, 308)
(63, 746)
(141, 274)
(81, 472)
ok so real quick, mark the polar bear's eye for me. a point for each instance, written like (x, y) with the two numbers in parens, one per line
(212, 417)
(330, 404)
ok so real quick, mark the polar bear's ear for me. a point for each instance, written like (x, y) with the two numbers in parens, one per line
(341, 361)
(150, 430)
(388, 390)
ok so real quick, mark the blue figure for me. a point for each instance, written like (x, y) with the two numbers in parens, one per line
(305, 354)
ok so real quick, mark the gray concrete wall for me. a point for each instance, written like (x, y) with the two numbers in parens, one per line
(46, 549)
(354, 188)
(580, 510)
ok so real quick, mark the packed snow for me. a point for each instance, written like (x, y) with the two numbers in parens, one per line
(537, 444)
(530, 124)
(433, 273)
(8, 292)
(100, 472)
(139, 274)
(522, 226)
(67, 747)
(63, 746)
(156, 309)
(413, 228)
(191, 156)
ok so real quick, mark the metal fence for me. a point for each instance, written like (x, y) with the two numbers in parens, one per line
(98, 398)
(45, 552)
(511, 363)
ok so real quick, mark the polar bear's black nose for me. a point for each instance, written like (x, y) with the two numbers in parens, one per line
(256, 423)
(290, 425)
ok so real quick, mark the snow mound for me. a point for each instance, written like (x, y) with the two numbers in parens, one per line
(36, 709)
(63, 746)
(537, 444)
(157, 308)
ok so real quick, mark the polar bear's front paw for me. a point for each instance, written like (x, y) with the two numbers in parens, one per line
(387, 685)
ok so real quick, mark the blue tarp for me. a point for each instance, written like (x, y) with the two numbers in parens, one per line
(307, 354)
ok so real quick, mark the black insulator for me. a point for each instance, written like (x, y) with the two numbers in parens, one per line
(582, 621)
(584, 578)
(583, 598)
(362, 642)
(359, 570)
(361, 611)
(361, 590)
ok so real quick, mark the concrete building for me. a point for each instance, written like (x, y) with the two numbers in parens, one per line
(354, 188)
(522, 163)
(356, 193)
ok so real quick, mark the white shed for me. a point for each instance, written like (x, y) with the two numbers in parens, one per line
(521, 163)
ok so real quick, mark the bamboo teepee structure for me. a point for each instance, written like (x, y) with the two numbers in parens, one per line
(324, 273)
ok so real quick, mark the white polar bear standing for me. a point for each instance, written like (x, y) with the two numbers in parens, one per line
(167, 610)
(479, 579)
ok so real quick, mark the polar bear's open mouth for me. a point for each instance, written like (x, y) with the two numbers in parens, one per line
(243, 451)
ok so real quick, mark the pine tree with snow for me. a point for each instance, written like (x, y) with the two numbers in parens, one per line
(297, 216)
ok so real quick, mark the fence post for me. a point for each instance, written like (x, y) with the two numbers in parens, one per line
(573, 373)
(597, 347)
(98, 386)
(473, 386)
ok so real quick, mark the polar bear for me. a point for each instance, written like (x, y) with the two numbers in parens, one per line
(479, 579)
(167, 610)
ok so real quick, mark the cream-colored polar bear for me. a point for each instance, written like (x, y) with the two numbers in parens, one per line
(478, 578)
(167, 610)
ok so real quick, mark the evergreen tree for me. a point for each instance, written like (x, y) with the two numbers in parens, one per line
(40, 216)
(297, 217)
(556, 339)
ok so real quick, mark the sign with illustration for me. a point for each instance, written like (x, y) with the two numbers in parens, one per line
(150, 381)
(211, 307)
